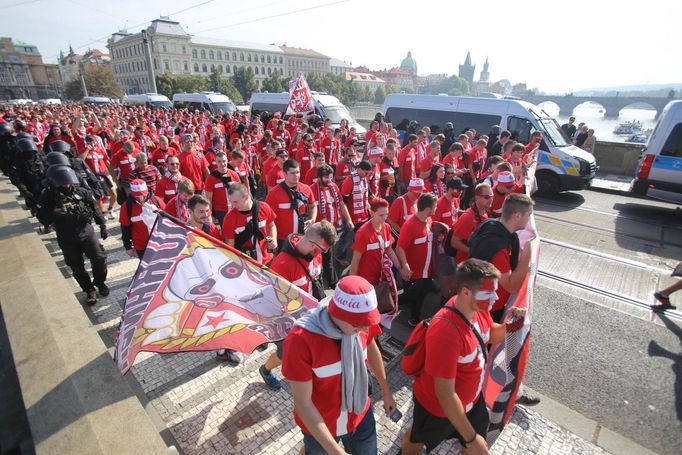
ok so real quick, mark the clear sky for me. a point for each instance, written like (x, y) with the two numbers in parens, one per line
(555, 46)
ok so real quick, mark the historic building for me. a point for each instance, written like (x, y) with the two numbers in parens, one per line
(306, 61)
(339, 67)
(363, 80)
(23, 73)
(70, 64)
(466, 70)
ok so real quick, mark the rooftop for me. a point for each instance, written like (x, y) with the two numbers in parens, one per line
(340, 63)
(205, 41)
(363, 77)
(167, 27)
(298, 51)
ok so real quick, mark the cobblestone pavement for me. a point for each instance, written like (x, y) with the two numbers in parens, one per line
(211, 408)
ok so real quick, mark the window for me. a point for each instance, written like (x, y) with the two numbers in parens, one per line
(262, 70)
(248, 57)
(521, 129)
(227, 69)
(212, 68)
(195, 53)
(673, 145)
(256, 70)
(220, 69)
(185, 66)
(462, 121)
(281, 71)
(234, 69)
(166, 65)
(211, 55)
(269, 71)
(203, 53)
(234, 56)
(204, 68)
(163, 46)
(257, 83)
(220, 55)
(280, 59)
(269, 59)
(196, 67)
(241, 57)
(184, 50)
(262, 59)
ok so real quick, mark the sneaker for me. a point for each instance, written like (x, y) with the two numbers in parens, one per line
(270, 380)
(91, 297)
(110, 214)
(527, 400)
(412, 323)
(228, 356)
(103, 289)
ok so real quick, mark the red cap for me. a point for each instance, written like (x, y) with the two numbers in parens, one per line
(505, 178)
(416, 185)
(138, 187)
(355, 302)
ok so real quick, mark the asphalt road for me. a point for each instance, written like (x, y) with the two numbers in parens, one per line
(621, 371)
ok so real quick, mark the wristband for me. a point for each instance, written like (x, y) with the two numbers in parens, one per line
(466, 443)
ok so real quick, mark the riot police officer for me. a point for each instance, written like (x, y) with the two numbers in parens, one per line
(449, 133)
(82, 170)
(7, 141)
(72, 209)
(29, 169)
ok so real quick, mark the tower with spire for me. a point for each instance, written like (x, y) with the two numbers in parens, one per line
(485, 74)
(466, 71)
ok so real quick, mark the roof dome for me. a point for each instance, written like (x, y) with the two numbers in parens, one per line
(409, 64)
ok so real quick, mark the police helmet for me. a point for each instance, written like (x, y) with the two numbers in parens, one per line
(60, 146)
(495, 129)
(27, 145)
(56, 158)
(23, 135)
(414, 125)
(448, 126)
(60, 175)
(5, 129)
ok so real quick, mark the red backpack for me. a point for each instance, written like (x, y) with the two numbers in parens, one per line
(414, 353)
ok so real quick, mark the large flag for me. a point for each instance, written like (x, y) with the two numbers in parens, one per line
(300, 99)
(193, 293)
(507, 360)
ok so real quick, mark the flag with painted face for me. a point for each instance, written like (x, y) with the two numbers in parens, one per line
(191, 292)
(300, 98)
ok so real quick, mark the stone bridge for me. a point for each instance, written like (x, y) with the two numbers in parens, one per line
(612, 104)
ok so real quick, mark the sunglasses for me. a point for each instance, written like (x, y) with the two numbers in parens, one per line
(324, 250)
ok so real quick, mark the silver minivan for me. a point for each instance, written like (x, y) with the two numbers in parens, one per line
(659, 173)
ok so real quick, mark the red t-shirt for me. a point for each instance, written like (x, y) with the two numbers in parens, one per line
(292, 269)
(124, 163)
(406, 160)
(166, 189)
(428, 162)
(274, 177)
(331, 149)
(372, 245)
(139, 231)
(389, 176)
(267, 166)
(401, 209)
(463, 228)
(97, 160)
(502, 260)
(495, 210)
(447, 211)
(310, 176)
(235, 223)
(357, 204)
(343, 170)
(453, 354)
(159, 156)
(325, 196)
(317, 358)
(416, 239)
(192, 165)
(287, 220)
(216, 187)
(305, 159)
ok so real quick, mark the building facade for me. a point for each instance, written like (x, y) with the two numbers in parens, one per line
(23, 73)
(176, 52)
(466, 70)
(70, 64)
(306, 61)
(339, 67)
(363, 80)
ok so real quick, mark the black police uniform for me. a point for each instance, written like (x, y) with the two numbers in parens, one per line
(72, 211)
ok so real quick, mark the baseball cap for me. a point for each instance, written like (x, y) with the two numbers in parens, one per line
(376, 151)
(455, 183)
(138, 187)
(416, 185)
(355, 302)
(505, 178)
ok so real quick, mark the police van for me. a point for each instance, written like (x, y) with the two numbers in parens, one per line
(213, 102)
(148, 100)
(659, 173)
(561, 165)
(326, 106)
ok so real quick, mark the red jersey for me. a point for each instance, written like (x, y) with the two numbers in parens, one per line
(427, 163)
(124, 163)
(292, 269)
(355, 191)
(192, 165)
(372, 246)
(388, 176)
(495, 210)
(216, 186)
(282, 136)
(287, 220)
(401, 209)
(406, 161)
(330, 200)
(310, 176)
(268, 164)
(159, 156)
(235, 223)
(331, 149)
(447, 211)
(274, 177)
(139, 231)
(416, 239)
(453, 353)
(97, 160)
(437, 188)
(166, 189)
(343, 170)
(317, 358)
(305, 159)
(464, 227)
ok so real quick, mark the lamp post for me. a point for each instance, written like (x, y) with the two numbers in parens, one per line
(148, 59)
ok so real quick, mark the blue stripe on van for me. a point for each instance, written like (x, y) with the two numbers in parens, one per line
(667, 163)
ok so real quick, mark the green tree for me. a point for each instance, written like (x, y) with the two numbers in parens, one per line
(366, 95)
(165, 84)
(217, 83)
(453, 85)
(520, 90)
(98, 80)
(243, 80)
(379, 95)
(189, 84)
(275, 83)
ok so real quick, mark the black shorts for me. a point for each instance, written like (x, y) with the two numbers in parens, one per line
(431, 430)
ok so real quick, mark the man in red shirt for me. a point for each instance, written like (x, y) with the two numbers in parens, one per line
(177, 206)
(217, 184)
(415, 246)
(535, 140)
(306, 154)
(346, 165)
(337, 338)
(281, 135)
(355, 192)
(504, 186)
(161, 152)
(137, 217)
(388, 169)
(193, 164)
(311, 175)
(405, 206)
(120, 167)
(276, 174)
(447, 207)
(406, 160)
(331, 146)
(470, 220)
(431, 158)
(200, 216)
(293, 202)
(448, 403)
(167, 187)
(300, 263)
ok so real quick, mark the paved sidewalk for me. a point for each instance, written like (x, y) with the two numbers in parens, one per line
(210, 408)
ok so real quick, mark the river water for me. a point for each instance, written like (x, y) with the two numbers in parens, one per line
(592, 115)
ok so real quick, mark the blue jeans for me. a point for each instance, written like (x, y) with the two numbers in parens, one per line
(362, 441)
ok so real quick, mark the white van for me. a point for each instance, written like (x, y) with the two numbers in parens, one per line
(50, 101)
(211, 101)
(659, 173)
(326, 106)
(96, 100)
(561, 166)
(148, 100)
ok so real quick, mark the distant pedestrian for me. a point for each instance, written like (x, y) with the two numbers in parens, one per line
(569, 128)
(663, 296)
(590, 142)
(581, 135)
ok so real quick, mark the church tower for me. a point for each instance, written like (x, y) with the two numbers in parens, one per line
(485, 74)
(466, 71)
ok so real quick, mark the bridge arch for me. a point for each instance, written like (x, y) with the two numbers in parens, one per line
(590, 109)
(550, 107)
(643, 107)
